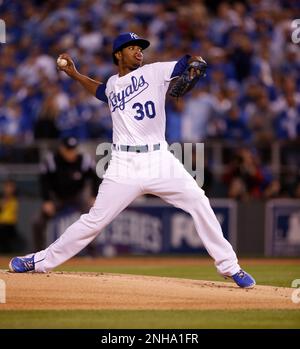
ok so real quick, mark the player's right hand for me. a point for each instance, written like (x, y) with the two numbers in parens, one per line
(70, 68)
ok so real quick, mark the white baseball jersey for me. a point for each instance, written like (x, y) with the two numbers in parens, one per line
(137, 103)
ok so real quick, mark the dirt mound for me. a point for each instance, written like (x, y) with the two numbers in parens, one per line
(62, 290)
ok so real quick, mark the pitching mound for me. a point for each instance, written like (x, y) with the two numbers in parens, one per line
(62, 290)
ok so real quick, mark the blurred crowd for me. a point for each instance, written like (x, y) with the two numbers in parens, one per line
(251, 94)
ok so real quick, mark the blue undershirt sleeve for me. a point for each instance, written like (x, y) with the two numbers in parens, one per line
(180, 66)
(100, 93)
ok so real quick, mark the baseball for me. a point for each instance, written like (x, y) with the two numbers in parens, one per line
(61, 62)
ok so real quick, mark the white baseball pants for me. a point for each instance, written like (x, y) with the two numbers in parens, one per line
(128, 176)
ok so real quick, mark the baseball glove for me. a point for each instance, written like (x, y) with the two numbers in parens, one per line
(189, 78)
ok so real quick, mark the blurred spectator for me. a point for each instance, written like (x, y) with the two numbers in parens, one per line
(244, 176)
(236, 129)
(90, 40)
(287, 122)
(241, 55)
(11, 131)
(297, 190)
(261, 119)
(273, 190)
(261, 65)
(64, 178)
(198, 112)
(45, 126)
(174, 111)
(8, 218)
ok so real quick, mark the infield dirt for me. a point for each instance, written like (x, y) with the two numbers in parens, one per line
(79, 290)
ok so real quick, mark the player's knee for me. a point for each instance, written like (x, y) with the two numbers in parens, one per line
(194, 196)
(194, 201)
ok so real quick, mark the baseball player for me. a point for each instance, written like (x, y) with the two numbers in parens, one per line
(136, 98)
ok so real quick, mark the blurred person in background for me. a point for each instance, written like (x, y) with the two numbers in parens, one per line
(236, 128)
(9, 207)
(45, 126)
(244, 176)
(287, 111)
(197, 115)
(65, 174)
(261, 120)
(174, 111)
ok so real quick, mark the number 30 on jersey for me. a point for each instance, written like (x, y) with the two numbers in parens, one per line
(147, 109)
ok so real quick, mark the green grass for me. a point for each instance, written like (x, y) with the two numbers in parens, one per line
(274, 275)
(109, 319)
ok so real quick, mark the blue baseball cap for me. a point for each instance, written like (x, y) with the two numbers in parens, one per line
(126, 39)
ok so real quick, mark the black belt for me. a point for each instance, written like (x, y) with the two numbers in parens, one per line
(136, 148)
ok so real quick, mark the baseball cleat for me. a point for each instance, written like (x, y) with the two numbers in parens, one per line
(21, 264)
(243, 279)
